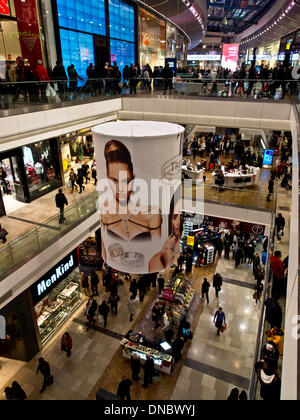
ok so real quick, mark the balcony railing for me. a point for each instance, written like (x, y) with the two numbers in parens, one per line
(25, 247)
(30, 96)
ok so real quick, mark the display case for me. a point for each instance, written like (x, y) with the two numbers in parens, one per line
(88, 252)
(58, 306)
(162, 362)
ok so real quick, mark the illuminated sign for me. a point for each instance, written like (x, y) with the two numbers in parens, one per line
(268, 157)
(230, 56)
(4, 8)
(204, 57)
(190, 241)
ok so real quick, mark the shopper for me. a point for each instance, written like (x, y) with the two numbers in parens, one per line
(41, 74)
(148, 371)
(67, 344)
(273, 312)
(85, 283)
(80, 180)
(177, 348)
(270, 383)
(44, 368)
(156, 314)
(141, 285)
(135, 367)
(205, 289)
(132, 302)
(8, 394)
(259, 288)
(280, 225)
(217, 283)
(124, 389)
(234, 395)
(270, 354)
(180, 261)
(270, 188)
(189, 263)
(61, 202)
(133, 288)
(73, 179)
(3, 234)
(243, 396)
(94, 172)
(18, 393)
(113, 301)
(167, 74)
(104, 310)
(94, 283)
(90, 312)
(85, 172)
(219, 319)
(161, 285)
(278, 271)
(256, 263)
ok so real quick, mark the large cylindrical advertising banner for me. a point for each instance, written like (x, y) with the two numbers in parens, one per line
(139, 186)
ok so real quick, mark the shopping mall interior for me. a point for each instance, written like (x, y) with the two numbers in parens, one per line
(149, 200)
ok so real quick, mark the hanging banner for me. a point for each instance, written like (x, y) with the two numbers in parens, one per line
(230, 56)
(29, 31)
(139, 188)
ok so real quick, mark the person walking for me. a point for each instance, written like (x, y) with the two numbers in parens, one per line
(85, 172)
(73, 179)
(94, 283)
(256, 264)
(61, 202)
(94, 172)
(219, 319)
(234, 395)
(66, 344)
(278, 271)
(90, 312)
(205, 289)
(18, 394)
(180, 262)
(113, 301)
(141, 285)
(148, 371)
(133, 288)
(104, 310)
(41, 74)
(135, 367)
(273, 312)
(217, 283)
(280, 225)
(132, 302)
(80, 180)
(270, 188)
(44, 368)
(85, 283)
(124, 389)
(167, 74)
(161, 285)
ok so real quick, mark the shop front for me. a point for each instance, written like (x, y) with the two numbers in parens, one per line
(20, 34)
(56, 296)
(152, 39)
(204, 60)
(268, 55)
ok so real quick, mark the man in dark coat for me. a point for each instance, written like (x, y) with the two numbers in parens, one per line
(273, 312)
(94, 283)
(161, 284)
(44, 368)
(61, 202)
(124, 389)
(217, 283)
(148, 371)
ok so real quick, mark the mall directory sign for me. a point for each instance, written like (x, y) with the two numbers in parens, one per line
(139, 194)
(268, 158)
(230, 56)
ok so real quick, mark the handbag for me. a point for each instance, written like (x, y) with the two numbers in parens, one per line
(255, 296)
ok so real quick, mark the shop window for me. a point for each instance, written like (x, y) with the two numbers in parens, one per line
(42, 167)
(82, 15)
(152, 40)
(121, 20)
(78, 49)
(124, 51)
(56, 308)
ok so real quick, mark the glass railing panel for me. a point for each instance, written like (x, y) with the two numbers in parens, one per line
(24, 247)
(6, 259)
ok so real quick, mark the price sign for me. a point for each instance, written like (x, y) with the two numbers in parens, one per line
(168, 295)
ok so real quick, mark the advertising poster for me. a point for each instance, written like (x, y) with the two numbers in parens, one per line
(139, 189)
(230, 56)
(268, 158)
(4, 8)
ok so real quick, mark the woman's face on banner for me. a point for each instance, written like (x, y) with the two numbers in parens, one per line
(176, 220)
(120, 179)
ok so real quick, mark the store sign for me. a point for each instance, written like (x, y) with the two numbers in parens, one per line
(204, 57)
(228, 224)
(4, 8)
(230, 56)
(53, 277)
(190, 241)
(168, 295)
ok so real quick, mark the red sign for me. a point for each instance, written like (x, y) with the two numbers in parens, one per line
(168, 295)
(29, 31)
(113, 58)
(230, 56)
(4, 8)
(228, 224)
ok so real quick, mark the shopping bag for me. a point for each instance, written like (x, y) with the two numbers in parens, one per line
(255, 296)
(50, 92)
(100, 319)
(223, 328)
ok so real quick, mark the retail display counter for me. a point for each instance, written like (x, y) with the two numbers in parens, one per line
(192, 172)
(162, 362)
(238, 178)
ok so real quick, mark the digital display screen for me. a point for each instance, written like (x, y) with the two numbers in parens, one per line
(268, 157)
(166, 346)
(230, 56)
